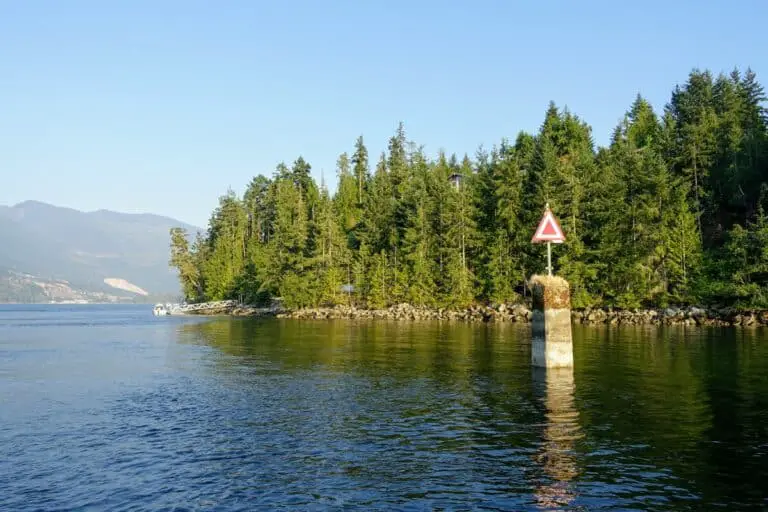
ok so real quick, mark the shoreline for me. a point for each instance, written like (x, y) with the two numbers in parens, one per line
(517, 313)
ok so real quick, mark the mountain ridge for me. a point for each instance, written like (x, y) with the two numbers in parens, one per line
(86, 247)
(99, 211)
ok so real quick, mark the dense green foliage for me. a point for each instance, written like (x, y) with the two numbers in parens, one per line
(672, 211)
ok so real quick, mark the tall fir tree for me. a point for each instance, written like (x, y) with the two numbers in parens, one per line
(346, 199)
(360, 170)
(227, 247)
(331, 259)
(183, 258)
(416, 267)
(459, 281)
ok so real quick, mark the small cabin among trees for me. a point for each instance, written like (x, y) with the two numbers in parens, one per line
(456, 179)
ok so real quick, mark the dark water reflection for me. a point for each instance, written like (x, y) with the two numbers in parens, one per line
(147, 414)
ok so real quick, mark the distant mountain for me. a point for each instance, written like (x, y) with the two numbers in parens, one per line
(20, 287)
(89, 249)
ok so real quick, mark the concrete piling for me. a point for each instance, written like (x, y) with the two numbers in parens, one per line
(551, 323)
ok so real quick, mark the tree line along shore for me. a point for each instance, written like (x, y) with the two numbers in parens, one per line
(670, 215)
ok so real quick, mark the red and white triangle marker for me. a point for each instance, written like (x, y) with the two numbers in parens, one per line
(549, 229)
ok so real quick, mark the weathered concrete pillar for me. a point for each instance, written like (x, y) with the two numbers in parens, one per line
(551, 325)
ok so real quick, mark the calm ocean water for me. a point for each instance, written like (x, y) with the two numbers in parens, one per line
(110, 408)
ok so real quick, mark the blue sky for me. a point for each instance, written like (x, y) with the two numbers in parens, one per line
(160, 106)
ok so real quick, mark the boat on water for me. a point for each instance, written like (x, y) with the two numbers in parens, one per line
(160, 310)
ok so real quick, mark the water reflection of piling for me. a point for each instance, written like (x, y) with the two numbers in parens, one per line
(561, 432)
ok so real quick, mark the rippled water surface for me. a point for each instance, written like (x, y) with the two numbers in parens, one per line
(110, 408)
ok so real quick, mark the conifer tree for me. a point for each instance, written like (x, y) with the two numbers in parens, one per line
(360, 170)
(346, 199)
(682, 245)
(696, 121)
(459, 283)
(227, 247)
(482, 198)
(378, 282)
(414, 277)
(506, 265)
(183, 258)
(629, 235)
(361, 264)
(289, 245)
(377, 226)
(331, 258)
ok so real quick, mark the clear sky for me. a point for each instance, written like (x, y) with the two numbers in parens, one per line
(159, 106)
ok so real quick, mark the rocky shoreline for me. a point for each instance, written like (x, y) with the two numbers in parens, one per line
(517, 313)
(522, 314)
(221, 307)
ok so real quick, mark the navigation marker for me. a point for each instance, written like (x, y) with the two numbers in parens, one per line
(549, 231)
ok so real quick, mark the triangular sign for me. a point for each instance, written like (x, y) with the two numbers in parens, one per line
(549, 230)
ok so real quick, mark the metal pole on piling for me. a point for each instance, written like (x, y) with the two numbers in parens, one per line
(549, 258)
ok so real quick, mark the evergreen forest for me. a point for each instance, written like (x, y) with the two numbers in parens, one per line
(672, 211)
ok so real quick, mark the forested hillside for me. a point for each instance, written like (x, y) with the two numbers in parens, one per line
(672, 211)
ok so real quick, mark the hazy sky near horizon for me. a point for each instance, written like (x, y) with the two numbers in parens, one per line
(160, 106)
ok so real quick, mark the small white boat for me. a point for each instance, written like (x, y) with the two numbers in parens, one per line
(160, 310)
